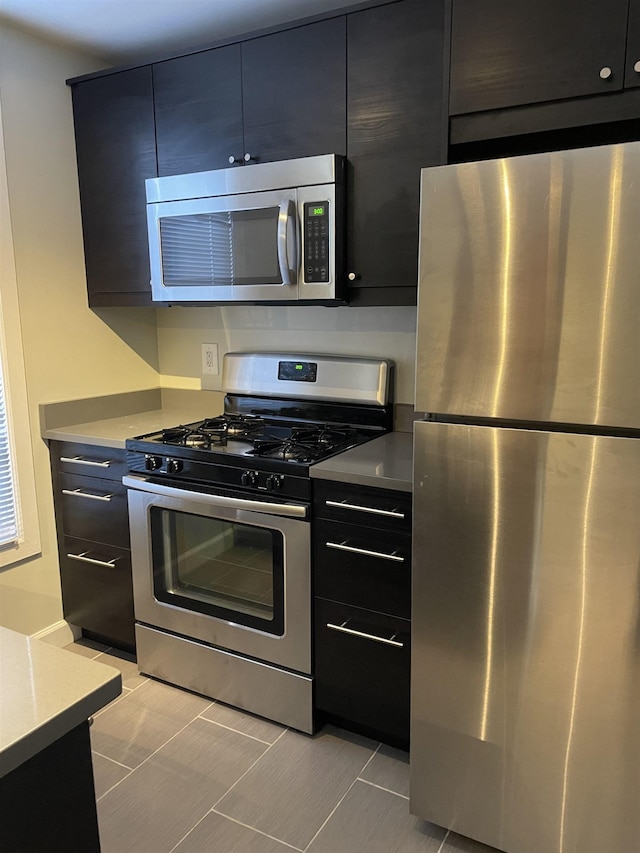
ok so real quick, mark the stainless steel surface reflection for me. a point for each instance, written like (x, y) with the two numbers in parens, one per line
(526, 638)
(528, 300)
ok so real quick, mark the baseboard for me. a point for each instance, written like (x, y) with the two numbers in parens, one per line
(59, 634)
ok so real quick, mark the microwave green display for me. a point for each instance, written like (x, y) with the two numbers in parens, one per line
(317, 211)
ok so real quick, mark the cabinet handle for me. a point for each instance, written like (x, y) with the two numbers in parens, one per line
(353, 276)
(636, 67)
(393, 513)
(605, 72)
(108, 564)
(78, 460)
(233, 160)
(78, 493)
(387, 641)
(249, 158)
(342, 546)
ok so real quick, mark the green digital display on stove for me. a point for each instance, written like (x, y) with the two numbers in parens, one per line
(317, 211)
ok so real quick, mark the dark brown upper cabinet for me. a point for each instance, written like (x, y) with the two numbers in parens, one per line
(506, 54)
(275, 97)
(198, 110)
(115, 145)
(632, 65)
(396, 125)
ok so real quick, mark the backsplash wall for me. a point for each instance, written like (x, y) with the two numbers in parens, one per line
(378, 332)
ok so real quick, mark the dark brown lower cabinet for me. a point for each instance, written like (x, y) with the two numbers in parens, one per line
(93, 541)
(362, 588)
(362, 675)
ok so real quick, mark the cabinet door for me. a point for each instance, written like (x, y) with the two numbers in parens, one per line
(506, 54)
(395, 126)
(198, 110)
(362, 669)
(293, 86)
(115, 144)
(632, 72)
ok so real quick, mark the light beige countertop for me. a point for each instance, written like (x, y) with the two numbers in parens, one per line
(108, 421)
(45, 692)
(384, 463)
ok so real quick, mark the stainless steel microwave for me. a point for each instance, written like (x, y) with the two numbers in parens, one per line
(269, 232)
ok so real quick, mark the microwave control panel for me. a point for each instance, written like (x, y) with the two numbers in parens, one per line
(316, 241)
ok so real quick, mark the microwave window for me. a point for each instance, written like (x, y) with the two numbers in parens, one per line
(220, 249)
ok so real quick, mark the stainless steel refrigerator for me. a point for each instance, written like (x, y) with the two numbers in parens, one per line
(526, 617)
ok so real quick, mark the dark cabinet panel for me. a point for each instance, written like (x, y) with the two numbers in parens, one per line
(115, 144)
(294, 92)
(395, 126)
(92, 526)
(507, 54)
(354, 504)
(362, 674)
(632, 71)
(198, 110)
(94, 509)
(97, 591)
(358, 567)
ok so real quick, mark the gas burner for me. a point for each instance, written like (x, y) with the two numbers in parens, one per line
(304, 444)
(213, 432)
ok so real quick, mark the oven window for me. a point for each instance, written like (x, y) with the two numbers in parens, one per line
(221, 249)
(222, 568)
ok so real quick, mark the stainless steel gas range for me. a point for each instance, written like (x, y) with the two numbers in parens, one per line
(220, 539)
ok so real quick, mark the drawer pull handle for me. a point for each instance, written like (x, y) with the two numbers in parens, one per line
(78, 493)
(393, 513)
(391, 641)
(78, 460)
(109, 564)
(342, 546)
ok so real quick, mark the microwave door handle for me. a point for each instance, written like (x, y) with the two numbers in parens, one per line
(286, 212)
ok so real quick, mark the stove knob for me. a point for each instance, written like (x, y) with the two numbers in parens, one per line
(274, 481)
(249, 478)
(174, 466)
(152, 463)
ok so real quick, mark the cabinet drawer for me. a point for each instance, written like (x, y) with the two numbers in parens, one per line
(363, 567)
(94, 509)
(89, 460)
(362, 668)
(381, 508)
(97, 592)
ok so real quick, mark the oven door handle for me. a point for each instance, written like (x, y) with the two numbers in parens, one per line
(142, 484)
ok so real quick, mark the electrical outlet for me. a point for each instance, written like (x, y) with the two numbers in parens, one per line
(210, 359)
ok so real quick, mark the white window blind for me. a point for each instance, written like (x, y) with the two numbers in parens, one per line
(9, 531)
(197, 249)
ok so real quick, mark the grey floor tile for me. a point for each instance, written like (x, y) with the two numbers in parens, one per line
(247, 724)
(132, 728)
(292, 790)
(127, 665)
(459, 844)
(106, 773)
(85, 647)
(218, 833)
(155, 806)
(370, 820)
(389, 768)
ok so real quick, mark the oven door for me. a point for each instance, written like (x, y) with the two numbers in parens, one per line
(225, 249)
(231, 572)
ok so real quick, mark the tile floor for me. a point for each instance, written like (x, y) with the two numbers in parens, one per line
(177, 772)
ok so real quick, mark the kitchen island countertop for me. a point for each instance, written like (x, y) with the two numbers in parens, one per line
(46, 692)
(385, 463)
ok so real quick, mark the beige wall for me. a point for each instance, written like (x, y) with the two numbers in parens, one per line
(69, 351)
(377, 332)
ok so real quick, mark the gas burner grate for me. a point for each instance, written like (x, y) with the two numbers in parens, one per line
(213, 432)
(305, 444)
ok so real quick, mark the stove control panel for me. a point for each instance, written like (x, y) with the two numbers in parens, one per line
(274, 482)
(249, 478)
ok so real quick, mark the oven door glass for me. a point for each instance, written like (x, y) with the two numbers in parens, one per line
(219, 567)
